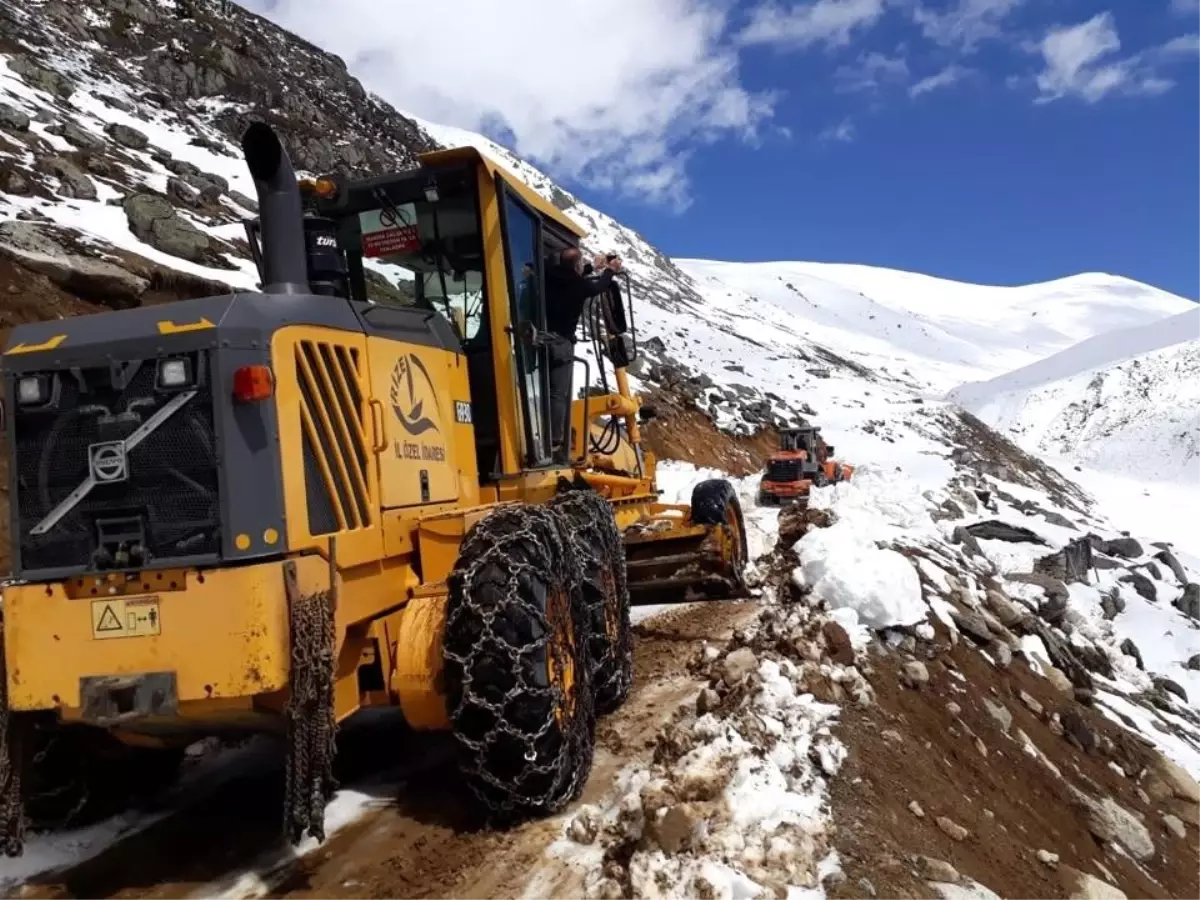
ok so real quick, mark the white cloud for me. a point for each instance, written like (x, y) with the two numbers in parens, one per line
(950, 75)
(842, 132)
(609, 94)
(965, 24)
(831, 22)
(1081, 61)
(869, 72)
(1184, 45)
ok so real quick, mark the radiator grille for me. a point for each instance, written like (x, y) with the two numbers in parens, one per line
(169, 501)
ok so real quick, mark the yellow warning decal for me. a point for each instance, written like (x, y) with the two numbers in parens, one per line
(48, 344)
(166, 326)
(119, 617)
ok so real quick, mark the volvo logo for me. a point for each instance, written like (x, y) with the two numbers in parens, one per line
(108, 462)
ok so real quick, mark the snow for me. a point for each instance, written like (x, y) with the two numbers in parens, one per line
(846, 571)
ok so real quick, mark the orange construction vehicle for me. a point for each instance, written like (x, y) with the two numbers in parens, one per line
(803, 461)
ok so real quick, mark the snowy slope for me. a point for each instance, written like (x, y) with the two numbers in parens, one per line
(952, 331)
(1121, 400)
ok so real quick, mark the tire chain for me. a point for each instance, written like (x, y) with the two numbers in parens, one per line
(12, 808)
(525, 543)
(311, 723)
(592, 530)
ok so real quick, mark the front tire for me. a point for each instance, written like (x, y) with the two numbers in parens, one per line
(518, 679)
(593, 530)
(715, 502)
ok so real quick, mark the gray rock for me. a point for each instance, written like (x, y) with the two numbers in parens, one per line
(960, 535)
(994, 530)
(1006, 610)
(1143, 585)
(915, 673)
(40, 77)
(1124, 547)
(13, 181)
(179, 191)
(73, 182)
(1061, 682)
(915, 808)
(1113, 604)
(1189, 603)
(707, 701)
(1054, 587)
(864, 885)
(79, 137)
(1054, 609)
(127, 136)
(1167, 686)
(1003, 654)
(1181, 782)
(1000, 713)
(13, 119)
(1082, 886)
(1167, 558)
(1175, 826)
(937, 869)
(1078, 732)
(1129, 648)
(1046, 858)
(154, 220)
(37, 248)
(1070, 564)
(973, 625)
(952, 829)
(180, 167)
(738, 665)
(243, 201)
(1193, 662)
(1031, 703)
(1109, 821)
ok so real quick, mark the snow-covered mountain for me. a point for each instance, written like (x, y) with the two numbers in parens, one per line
(121, 184)
(1123, 401)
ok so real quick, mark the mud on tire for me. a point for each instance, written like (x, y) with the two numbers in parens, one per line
(518, 680)
(592, 528)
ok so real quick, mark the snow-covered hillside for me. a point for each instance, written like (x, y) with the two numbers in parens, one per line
(1122, 402)
(947, 331)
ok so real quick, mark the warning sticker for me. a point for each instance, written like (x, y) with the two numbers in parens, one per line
(118, 617)
(388, 232)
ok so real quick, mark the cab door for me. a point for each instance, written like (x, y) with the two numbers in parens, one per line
(522, 230)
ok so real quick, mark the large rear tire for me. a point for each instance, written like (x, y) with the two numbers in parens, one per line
(715, 502)
(592, 528)
(518, 679)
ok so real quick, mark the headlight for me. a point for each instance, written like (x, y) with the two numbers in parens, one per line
(174, 373)
(33, 390)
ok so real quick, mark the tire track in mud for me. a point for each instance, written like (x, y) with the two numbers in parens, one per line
(423, 840)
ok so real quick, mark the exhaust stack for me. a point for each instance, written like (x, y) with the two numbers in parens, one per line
(285, 270)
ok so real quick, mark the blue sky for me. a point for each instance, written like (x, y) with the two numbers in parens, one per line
(994, 141)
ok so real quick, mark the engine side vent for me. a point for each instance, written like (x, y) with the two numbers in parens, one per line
(333, 419)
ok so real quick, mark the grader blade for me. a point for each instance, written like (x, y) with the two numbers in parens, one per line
(683, 565)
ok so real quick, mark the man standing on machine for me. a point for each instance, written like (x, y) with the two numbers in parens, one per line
(568, 289)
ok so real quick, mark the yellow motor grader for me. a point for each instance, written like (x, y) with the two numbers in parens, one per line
(266, 511)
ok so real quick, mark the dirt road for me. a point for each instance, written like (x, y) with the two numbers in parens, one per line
(421, 840)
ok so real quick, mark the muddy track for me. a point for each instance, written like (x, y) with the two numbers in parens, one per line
(423, 840)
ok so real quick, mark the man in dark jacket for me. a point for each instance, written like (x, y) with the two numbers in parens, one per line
(567, 291)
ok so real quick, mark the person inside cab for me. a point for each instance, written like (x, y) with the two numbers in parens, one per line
(568, 289)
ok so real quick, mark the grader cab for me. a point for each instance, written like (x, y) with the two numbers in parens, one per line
(264, 512)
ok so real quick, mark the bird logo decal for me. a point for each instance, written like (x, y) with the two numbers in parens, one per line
(412, 389)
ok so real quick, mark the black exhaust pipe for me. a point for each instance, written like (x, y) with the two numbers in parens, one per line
(285, 270)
